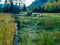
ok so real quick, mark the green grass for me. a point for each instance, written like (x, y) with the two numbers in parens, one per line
(7, 29)
(46, 32)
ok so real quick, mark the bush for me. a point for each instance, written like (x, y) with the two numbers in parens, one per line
(50, 7)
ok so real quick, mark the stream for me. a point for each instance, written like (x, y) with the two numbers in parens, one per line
(16, 34)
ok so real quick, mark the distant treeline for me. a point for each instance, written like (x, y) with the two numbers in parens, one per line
(49, 7)
(11, 8)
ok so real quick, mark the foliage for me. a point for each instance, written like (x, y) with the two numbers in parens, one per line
(0, 9)
(11, 8)
(35, 9)
(16, 9)
(24, 8)
(49, 7)
(6, 8)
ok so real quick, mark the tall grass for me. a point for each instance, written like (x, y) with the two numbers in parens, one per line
(46, 32)
(7, 29)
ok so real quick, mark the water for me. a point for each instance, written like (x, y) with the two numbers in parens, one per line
(16, 40)
(16, 35)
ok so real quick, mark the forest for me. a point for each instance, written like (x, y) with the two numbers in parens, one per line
(48, 7)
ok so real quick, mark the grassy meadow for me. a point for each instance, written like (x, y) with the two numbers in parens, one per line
(44, 29)
(7, 29)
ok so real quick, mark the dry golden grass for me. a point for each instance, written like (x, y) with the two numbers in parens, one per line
(7, 29)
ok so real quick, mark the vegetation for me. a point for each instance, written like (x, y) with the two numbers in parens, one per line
(41, 30)
(9, 7)
(24, 8)
(33, 28)
(7, 29)
(48, 7)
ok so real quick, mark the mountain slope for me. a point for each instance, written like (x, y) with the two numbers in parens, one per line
(40, 2)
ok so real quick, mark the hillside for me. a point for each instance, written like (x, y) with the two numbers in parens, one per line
(40, 2)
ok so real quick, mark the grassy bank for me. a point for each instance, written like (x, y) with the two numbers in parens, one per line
(7, 29)
(44, 29)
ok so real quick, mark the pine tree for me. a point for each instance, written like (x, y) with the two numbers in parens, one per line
(24, 8)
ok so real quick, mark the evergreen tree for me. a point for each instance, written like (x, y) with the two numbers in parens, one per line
(11, 7)
(6, 7)
(24, 8)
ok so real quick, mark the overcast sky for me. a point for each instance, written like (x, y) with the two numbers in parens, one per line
(27, 2)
